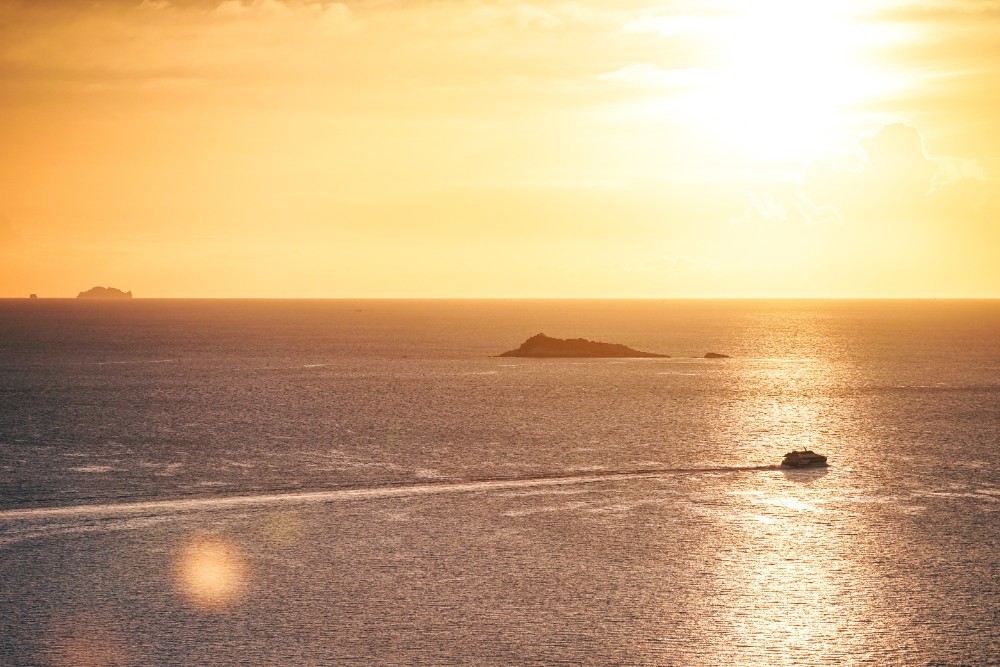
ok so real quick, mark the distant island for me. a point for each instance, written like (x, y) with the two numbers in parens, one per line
(104, 293)
(716, 355)
(541, 345)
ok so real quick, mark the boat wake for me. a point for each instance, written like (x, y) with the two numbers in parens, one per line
(157, 508)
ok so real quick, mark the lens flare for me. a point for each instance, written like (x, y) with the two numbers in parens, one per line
(211, 573)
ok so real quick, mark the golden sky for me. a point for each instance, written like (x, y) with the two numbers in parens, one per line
(608, 148)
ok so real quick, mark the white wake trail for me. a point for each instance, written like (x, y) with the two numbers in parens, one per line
(186, 505)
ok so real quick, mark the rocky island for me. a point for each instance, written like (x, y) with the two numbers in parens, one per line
(104, 293)
(541, 345)
(716, 355)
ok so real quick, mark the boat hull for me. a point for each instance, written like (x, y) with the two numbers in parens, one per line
(803, 459)
(805, 464)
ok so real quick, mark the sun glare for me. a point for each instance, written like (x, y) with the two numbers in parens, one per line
(787, 72)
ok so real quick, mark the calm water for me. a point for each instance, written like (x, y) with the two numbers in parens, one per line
(361, 482)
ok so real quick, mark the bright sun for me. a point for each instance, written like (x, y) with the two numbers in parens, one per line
(787, 72)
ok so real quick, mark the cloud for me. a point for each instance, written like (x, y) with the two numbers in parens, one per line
(643, 74)
(898, 183)
(904, 221)
(786, 205)
(284, 42)
(941, 10)
(112, 43)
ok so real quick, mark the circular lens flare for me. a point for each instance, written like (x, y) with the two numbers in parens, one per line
(211, 573)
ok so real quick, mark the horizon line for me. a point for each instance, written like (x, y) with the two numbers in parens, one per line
(506, 298)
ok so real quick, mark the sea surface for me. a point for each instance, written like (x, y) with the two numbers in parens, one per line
(344, 482)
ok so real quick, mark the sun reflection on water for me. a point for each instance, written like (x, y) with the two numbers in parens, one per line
(780, 578)
(786, 579)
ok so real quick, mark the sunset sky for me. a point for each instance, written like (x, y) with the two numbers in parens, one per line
(463, 148)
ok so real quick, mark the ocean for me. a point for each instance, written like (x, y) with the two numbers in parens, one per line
(357, 482)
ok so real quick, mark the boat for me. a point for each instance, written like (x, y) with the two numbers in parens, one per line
(803, 459)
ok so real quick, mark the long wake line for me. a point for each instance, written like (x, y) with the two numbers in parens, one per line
(362, 493)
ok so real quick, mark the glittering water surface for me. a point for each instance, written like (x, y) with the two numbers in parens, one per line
(356, 482)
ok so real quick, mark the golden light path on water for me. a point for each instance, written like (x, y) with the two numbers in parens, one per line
(786, 561)
(788, 553)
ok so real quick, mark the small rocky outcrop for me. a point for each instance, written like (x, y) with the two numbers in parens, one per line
(104, 293)
(716, 355)
(32, 296)
(541, 345)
